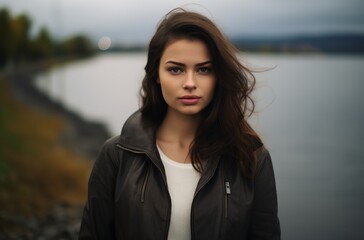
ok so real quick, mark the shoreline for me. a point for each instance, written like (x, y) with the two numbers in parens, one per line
(50, 167)
(83, 136)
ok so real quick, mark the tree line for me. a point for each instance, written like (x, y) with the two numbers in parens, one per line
(17, 45)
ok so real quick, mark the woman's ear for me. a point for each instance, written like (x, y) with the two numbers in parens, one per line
(158, 81)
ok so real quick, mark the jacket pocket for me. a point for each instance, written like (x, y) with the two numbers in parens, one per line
(144, 186)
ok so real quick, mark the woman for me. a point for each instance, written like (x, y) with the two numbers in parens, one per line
(187, 165)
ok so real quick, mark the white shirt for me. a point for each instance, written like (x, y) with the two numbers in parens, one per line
(182, 180)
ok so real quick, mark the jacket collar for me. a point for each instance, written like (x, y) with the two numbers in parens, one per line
(138, 135)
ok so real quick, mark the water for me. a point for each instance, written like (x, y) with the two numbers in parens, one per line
(104, 88)
(310, 114)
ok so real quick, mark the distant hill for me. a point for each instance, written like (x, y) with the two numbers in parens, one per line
(331, 43)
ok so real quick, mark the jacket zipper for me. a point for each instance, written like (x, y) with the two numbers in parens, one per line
(145, 182)
(227, 193)
(193, 200)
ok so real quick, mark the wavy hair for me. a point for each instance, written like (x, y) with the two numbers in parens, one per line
(224, 129)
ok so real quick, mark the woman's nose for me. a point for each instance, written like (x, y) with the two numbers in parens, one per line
(189, 82)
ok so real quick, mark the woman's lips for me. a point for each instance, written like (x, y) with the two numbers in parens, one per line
(189, 100)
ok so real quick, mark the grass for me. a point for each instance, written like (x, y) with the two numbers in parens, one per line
(36, 172)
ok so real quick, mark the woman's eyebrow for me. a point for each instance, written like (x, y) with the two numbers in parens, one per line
(182, 64)
(175, 63)
(204, 63)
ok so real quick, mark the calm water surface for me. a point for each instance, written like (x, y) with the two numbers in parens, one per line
(310, 114)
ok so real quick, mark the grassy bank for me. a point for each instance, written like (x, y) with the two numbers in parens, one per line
(36, 172)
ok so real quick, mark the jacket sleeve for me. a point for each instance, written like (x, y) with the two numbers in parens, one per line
(98, 220)
(264, 222)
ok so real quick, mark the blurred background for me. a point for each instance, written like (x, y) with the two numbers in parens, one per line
(70, 71)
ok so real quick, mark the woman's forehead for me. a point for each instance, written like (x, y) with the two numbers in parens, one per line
(186, 50)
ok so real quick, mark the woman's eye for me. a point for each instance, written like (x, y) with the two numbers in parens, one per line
(175, 70)
(204, 70)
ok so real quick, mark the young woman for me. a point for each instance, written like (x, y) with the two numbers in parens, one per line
(187, 165)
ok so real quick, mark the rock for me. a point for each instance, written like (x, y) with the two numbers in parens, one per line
(62, 222)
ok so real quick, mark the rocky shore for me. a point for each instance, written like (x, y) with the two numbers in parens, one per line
(81, 136)
(61, 223)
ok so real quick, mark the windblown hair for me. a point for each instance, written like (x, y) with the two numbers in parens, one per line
(224, 129)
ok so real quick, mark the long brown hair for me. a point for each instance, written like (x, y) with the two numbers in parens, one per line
(224, 129)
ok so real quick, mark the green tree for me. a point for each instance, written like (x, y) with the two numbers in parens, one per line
(42, 46)
(5, 33)
(78, 46)
(18, 46)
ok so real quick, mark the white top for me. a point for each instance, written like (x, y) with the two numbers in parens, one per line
(182, 180)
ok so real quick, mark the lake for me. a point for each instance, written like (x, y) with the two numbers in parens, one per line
(310, 115)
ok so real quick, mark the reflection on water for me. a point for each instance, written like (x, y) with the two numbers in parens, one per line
(310, 116)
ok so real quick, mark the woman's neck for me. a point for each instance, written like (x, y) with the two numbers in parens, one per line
(178, 128)
(176, 134)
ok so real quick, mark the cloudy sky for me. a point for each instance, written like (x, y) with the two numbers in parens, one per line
(134, 21)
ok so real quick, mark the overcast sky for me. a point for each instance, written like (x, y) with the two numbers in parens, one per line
(134, 21)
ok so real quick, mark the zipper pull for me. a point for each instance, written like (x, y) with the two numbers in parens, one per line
(227, 188)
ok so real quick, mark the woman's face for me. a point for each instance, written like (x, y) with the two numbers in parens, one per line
(186, 76)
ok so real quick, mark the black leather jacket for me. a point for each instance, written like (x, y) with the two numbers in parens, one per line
(128, 195)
